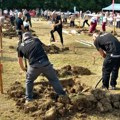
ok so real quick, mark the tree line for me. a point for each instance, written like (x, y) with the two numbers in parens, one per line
(63, 5)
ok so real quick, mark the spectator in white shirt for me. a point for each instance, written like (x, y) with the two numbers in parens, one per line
(118, 20)
(104, 21)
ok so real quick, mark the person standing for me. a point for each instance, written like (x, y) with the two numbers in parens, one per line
(109, 48)
(31, 48)
(118, 20)
(72, 20)
(93, 24)
(57, 26)
(19, 27)
(86, 18)
(27, 15)
(12, 18)
(26, 24)
(104, 21)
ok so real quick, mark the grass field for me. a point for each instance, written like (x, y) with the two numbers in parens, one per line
(78, 55)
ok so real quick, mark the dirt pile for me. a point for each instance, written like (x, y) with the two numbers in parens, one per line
(16, 90)
(10, 32)
(48, 106)
(75, 70)
(52, 49)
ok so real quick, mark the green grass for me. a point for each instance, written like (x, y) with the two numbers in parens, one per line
(78, 55)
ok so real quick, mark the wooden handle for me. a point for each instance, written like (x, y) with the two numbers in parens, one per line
(1, 82)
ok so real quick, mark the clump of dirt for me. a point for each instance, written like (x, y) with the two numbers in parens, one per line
(11, 47)
(75, 70)
(104, 101)
(16, 90)
(30, 107)
(10, 32)
(52, 49)
(78, 70)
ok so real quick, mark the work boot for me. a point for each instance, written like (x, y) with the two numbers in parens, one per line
(28, 102)
(51, 40)
(112, 88)
(104, 88)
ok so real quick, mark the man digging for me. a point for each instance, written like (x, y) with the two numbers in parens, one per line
(109, 48)
(31, 48)
(57, 26)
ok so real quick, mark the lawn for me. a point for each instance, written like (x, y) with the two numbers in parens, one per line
(78, 55)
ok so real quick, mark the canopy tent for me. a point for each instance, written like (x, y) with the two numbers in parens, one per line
(116, 7)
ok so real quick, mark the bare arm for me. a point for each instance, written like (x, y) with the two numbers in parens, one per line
(20, 61)
(102, 53)
(22, 28)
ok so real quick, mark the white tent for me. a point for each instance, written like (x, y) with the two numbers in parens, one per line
(110, 7)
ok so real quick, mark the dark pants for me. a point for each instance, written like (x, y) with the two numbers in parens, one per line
(29, 20)
(65, 20)
(49, 72)
(59, 30)
(110, 68)
(72, 23)
(19, 37)
(26, 28)
(85, 21)
(12, 20)
(118, 24)
(103, 26)
(93, 27)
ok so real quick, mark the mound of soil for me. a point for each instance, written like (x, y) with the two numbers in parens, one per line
(52, 49)
(48, 106)
(11, 32)
(75, 70)
(16, 90)
(11, 47)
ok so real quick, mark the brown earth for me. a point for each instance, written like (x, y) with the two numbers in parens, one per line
(69, 70)
(84, 104)
(48, 107)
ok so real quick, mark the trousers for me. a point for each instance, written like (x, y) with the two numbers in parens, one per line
(59, 30)
(50, 74)
(110, 71)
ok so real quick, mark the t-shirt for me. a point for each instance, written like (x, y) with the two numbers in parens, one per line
(58, 18)
(19, 22)
(104, 19)
(28, 16)
(25, 24)
(32, 50)
(118, 18)
(93, 19)
(108, 43)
